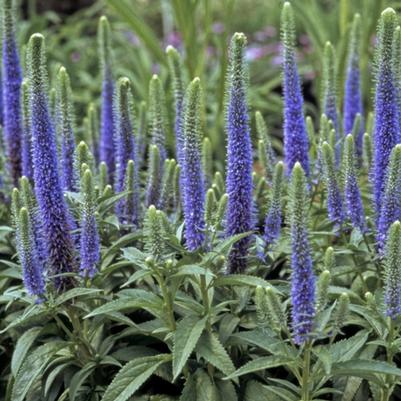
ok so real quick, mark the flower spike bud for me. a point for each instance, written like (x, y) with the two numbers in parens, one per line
(31, 267)
(82, 156)
(329, 94)
(218, 183)
(16, 204)
(220, 212)
(193, 177)
(167, 192)
(296, 144)
(239, 156)
(92, 127)
(89, 239)
(12, 78)
(302, 279)
(386, 127)
(353, 105)
(176, 189)
(329, 260)
(210, 208)
(322, 290)
(54, 215)
(106, 149)
(157, 116)
(274, 215)
(176, 72)
(26, 140)
(341, 312)
(155, 239)
(65, 130)
(352, 194)
(390, 209)
(334, 200)
(367, 151)
(207, 161)
(392, 272)
(103, 177)
(154, 177)
(131, 211)
(142, 129)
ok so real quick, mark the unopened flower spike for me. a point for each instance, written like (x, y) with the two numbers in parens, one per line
(167, 192)
(334, 198)
(239, 217)
(176, 73)
(153, 188)
(155, 244)
(157, 116)
(131, 207)
(32, 268)
(26, 140)
(390, 209)
(296, 146)
(82, 156)
(329, 94)
(11, 80)
(89, 238)
(193, 177)
(274, 215)
(142, 141)
(65, 128)
(106, 118)
(55, 217)
(92, 127)
(352, 194)
(392, 272)
(302, 278)
(386, 126)
(207, 161)
(352, 92)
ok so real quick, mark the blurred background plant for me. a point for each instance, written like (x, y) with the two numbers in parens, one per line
(200, 30)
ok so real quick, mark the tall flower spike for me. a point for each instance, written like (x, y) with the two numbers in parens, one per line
(352, 194)
(266, 152)
(352, 91)
(239, 155)
(153, 189)
(329, 93)
(390, 209)
(92, 127)
(1, 100)
(64, 128)
(167, 194)
(193, 178)
(26, 145)
(124, 130)
(392, 272)
(52, 207)
(334, 200)
(12, 78)
(302, 278)
(106, 148)
(131, 207)
(176, 73)
(32, 269)
(274, 215)
(157, 116)
(89, 239)
(295, 136)
(386, 127)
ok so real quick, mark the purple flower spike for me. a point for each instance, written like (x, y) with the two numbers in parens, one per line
(193, 177)
(239, 156)
(52, 207)
(295, 135)
(12, 79)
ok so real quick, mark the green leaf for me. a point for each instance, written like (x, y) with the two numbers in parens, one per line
(132, 376)
(24, 343)
(32, 368)
(187, 334)
(189, 270)
(344, 350)
(199, 387)
(241, 279)
(210, 348)
(364, 368)
(79, 378)
(256, 391)
(261, 363)
(75, 293)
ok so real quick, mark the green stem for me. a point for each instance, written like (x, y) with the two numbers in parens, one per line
(205, 298)
(306, 372)
(389, 378)
(167, 302)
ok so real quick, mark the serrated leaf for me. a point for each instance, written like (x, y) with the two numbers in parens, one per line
(240, 280)
(199, 387)
(186, 336)
(132, 376)
(210, 348)
(344, 350)
(261, 363)
(75, 293)
(23, 345)
(256, 391)
(226, 390)
(32, 368)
